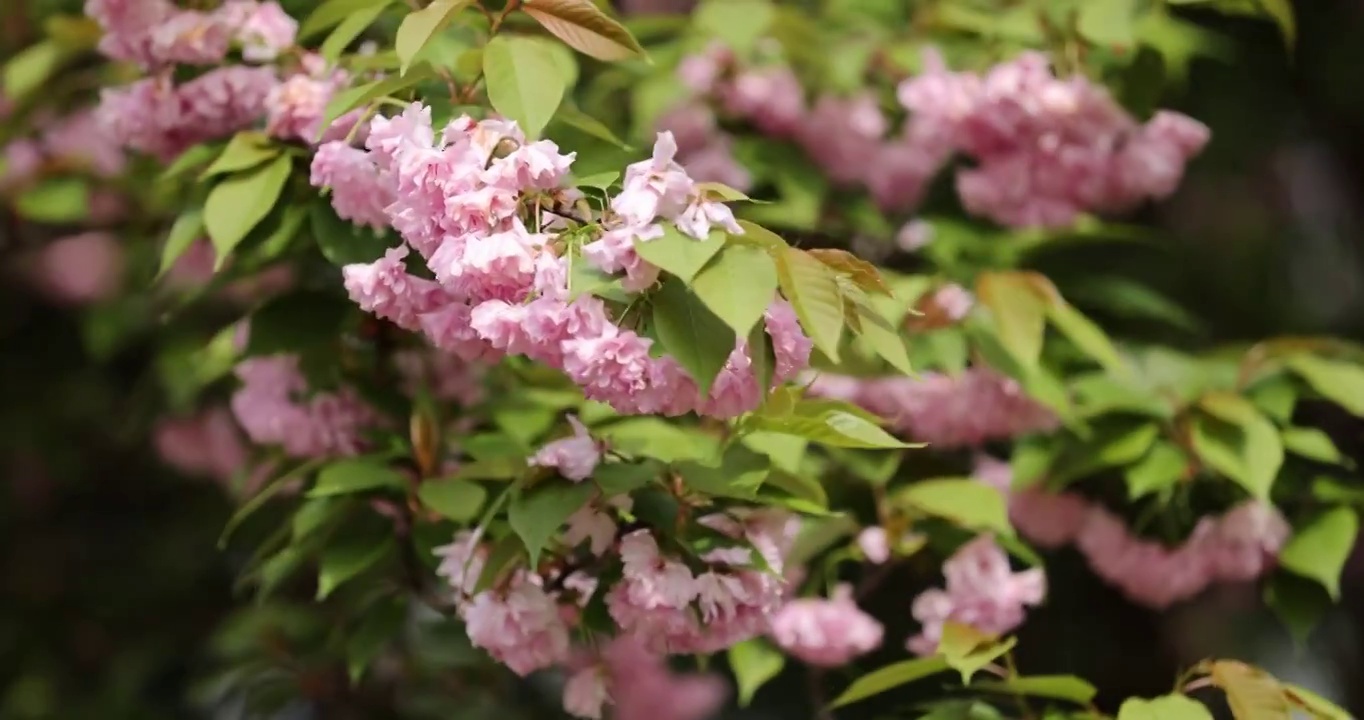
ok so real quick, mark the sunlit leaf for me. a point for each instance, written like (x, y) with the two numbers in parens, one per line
(1319, 549)
(966, 502)
(459, 500)
(888, 677)
(754, 662)
(738, 286)
(238, 203)
(1252, 693)
(420, 26)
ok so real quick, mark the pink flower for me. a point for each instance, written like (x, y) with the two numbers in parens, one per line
(461, 562)
(263, 29)
(982, 591)
(771, 98)
(575, 457)
(644, 688)
(874, 544)
(914, 236)
(204, 444)
(585, 693)
(791, 347)
(657, 187)
(384, 288)
(827, 633)
(80, 269)
(358, 194)
(267, 408)
(520, 627)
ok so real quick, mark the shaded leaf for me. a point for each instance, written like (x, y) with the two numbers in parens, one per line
(331, 12)
(537, 514)
(345, 477)
(691, 333)
(420, 26)
(56, 201)
(1248, 448)
(349, 29)
(1162, 467)
(246, 149)
(1056, 687)
(457, 499)
(352, 98)
(1090, 338)
(188, 227)
(345, 560)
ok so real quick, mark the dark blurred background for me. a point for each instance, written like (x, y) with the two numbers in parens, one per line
(111, 585)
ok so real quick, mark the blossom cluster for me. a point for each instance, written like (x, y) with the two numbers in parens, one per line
(1237, 546)
(639, 686)
(273, 407)
(157, 117)
(1047, 149)
(661, 605)
(849, 138)
(157, 33)
(826, 632)
(968, 409)
(499, 271)
(981, 591)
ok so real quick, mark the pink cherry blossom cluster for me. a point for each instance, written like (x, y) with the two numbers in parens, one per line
(1238, 546)
(639, 686)
(1046, 148)
(157, 33)
(968, 409)
(464, 202)
(848, 137)
(826, 633)
(670, 608)
(296, 106)
(575, 457)
(157, 117)
(273, 407)
(206, 443)
(982, 591)
(661, 604)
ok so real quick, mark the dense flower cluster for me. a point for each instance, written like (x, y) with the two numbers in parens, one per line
(827, 633)
(946, 411)
(848, 138)
(157, 117)
(1238, 546)
(272, 408)
(500, 286)
(640, 686)
(1047, 149)
(982, 591)
(157, 33)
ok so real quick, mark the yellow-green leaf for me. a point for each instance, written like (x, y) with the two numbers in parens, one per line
(890, 676)
(524, 82)
(331, 12)
(585, 28)
(420, 26)
(1256, 442)
(459, 500)
(1087, 336)
(679, 254)
(237, 204)
(1056, 687)
(1337, 381)
(754, 662)
(536, 514)
(1313, 444)
(1166, 707)
(246, 149)
(966, 502)
(1319, 549)
(812, 289)
(188, 227)
(738, 286)
(1252, 693)
(1019, 312)
(345, 33)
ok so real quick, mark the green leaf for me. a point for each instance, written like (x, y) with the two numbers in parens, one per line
(56, 201)
(570, 115)
(31, 68)
(656, 438)
(342, 242)
(738, 286)
(1112, 444)
(331, 12)
(1087, 336)
(459, 500)
(890, 676)
(739, 475)
(1275, 398)
(737, 23)
(377, 627)
(1056, 687)
(1341, 383)
(1100, 394)
(1164, 708)
(349, 29)
(1109, 22)
(1299, 603)
(1252, 693)
(536, 514)
(524, 82)
(1020, 314)
(968, 650)
(246, 149)
(506, 552)
(1246, 447)
(1163, 467)
(623, 478)
(345, 477)
(681, 255)
(890, 346)
(1319, 549)
(188, 227)
(420, 26)
(314, 515)
(966, 502)
(345, 560)
(190, 159)
(258, 500)
(601, 180)
(352, 98)
(691, 333)
(754, 662)
(862, 273)
(239, 203)
(1312, 444)
(812, 289)
(303, 322)
(585, 28)
(834, 428)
